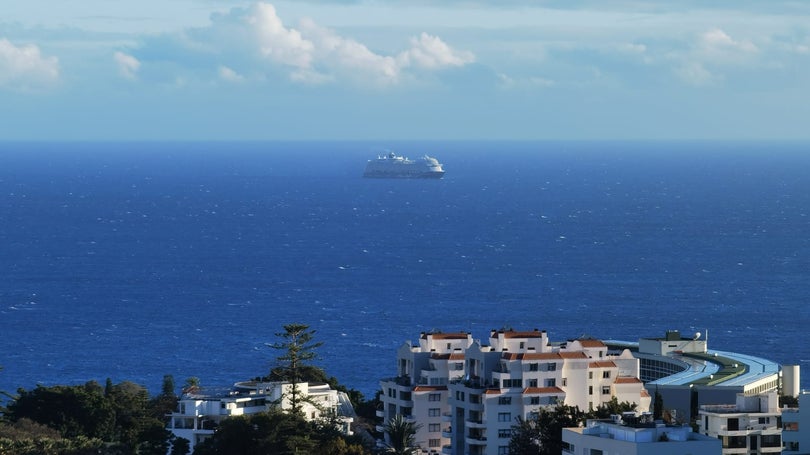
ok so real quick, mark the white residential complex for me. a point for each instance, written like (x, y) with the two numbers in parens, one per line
(467, 395)
(199, 413)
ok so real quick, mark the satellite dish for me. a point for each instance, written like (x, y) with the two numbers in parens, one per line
(697, 335)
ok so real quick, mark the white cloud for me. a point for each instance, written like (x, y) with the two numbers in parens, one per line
(716, 41)
(318, 55)
(227, 74)
(694, 73)
(128, 65)
(25, 68)
(431, 52)
(280, 44)
(259, 42)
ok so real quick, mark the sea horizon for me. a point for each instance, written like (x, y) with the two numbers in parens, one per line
(186, 257)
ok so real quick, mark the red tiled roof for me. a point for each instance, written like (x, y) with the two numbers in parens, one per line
(592, 343)
(447, 356)
(429, 388)
(573, 355)
(627, 380)
(602, 364)
(492, 391)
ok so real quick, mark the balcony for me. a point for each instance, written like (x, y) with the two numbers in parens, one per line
(447, 432)
(379, 413)
(447, 450)
(447, 417)
(475, 423)
(476, 441)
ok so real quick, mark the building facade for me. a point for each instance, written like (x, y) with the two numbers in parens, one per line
(752, 426)
(519, 373)
(796, 427)
(200, 412)
(419, 390)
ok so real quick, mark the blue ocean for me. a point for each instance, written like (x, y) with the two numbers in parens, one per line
(134, 260)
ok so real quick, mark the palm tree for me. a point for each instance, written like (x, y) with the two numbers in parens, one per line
(401, 436)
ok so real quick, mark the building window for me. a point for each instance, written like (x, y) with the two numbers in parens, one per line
(763, 420)
(458, 366)
(504, 433)
(534, 400)
(590, 390)
(533, 367)
(551, 367)
(551, 382)
(504, 417)
(503, 450)
(434, 427)
(564, 382)
(435, 397)
(606, 374)
(791, 426)
(505, 400)
(532, 382)
(522, 345)
(606, 390)
(434, 442)
(434, 412)
(590, 375)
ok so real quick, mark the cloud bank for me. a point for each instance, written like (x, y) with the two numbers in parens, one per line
(257, 41)
(24, 67)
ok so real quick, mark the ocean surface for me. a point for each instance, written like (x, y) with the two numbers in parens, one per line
(135, 260)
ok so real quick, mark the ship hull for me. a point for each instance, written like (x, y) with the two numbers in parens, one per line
(391, 175)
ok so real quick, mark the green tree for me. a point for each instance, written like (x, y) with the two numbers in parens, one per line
(164, 404)
(180, 446)
(71, 410)
(605, 410)
(658, 405)
(401, 436)
(525, 438)
(543, 434)
(298, 350)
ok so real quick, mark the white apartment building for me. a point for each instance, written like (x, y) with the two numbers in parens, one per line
(796, 427)
(519, 373)
(632, 435)
(199, 413)
(466, 395)
(419, 391)
(751, 426)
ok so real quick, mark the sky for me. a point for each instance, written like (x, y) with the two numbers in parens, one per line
(404, 69)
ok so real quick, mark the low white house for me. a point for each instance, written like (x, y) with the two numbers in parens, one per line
(200, 412)
(631, 435)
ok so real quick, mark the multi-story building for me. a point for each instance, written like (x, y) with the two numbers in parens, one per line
(751, 426)
(518, 373)
(796, 427)
(199, 412)
(687, 374)
(636, 435)
(419, 391)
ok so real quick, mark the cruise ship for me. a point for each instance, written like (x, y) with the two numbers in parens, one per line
(399, 167)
